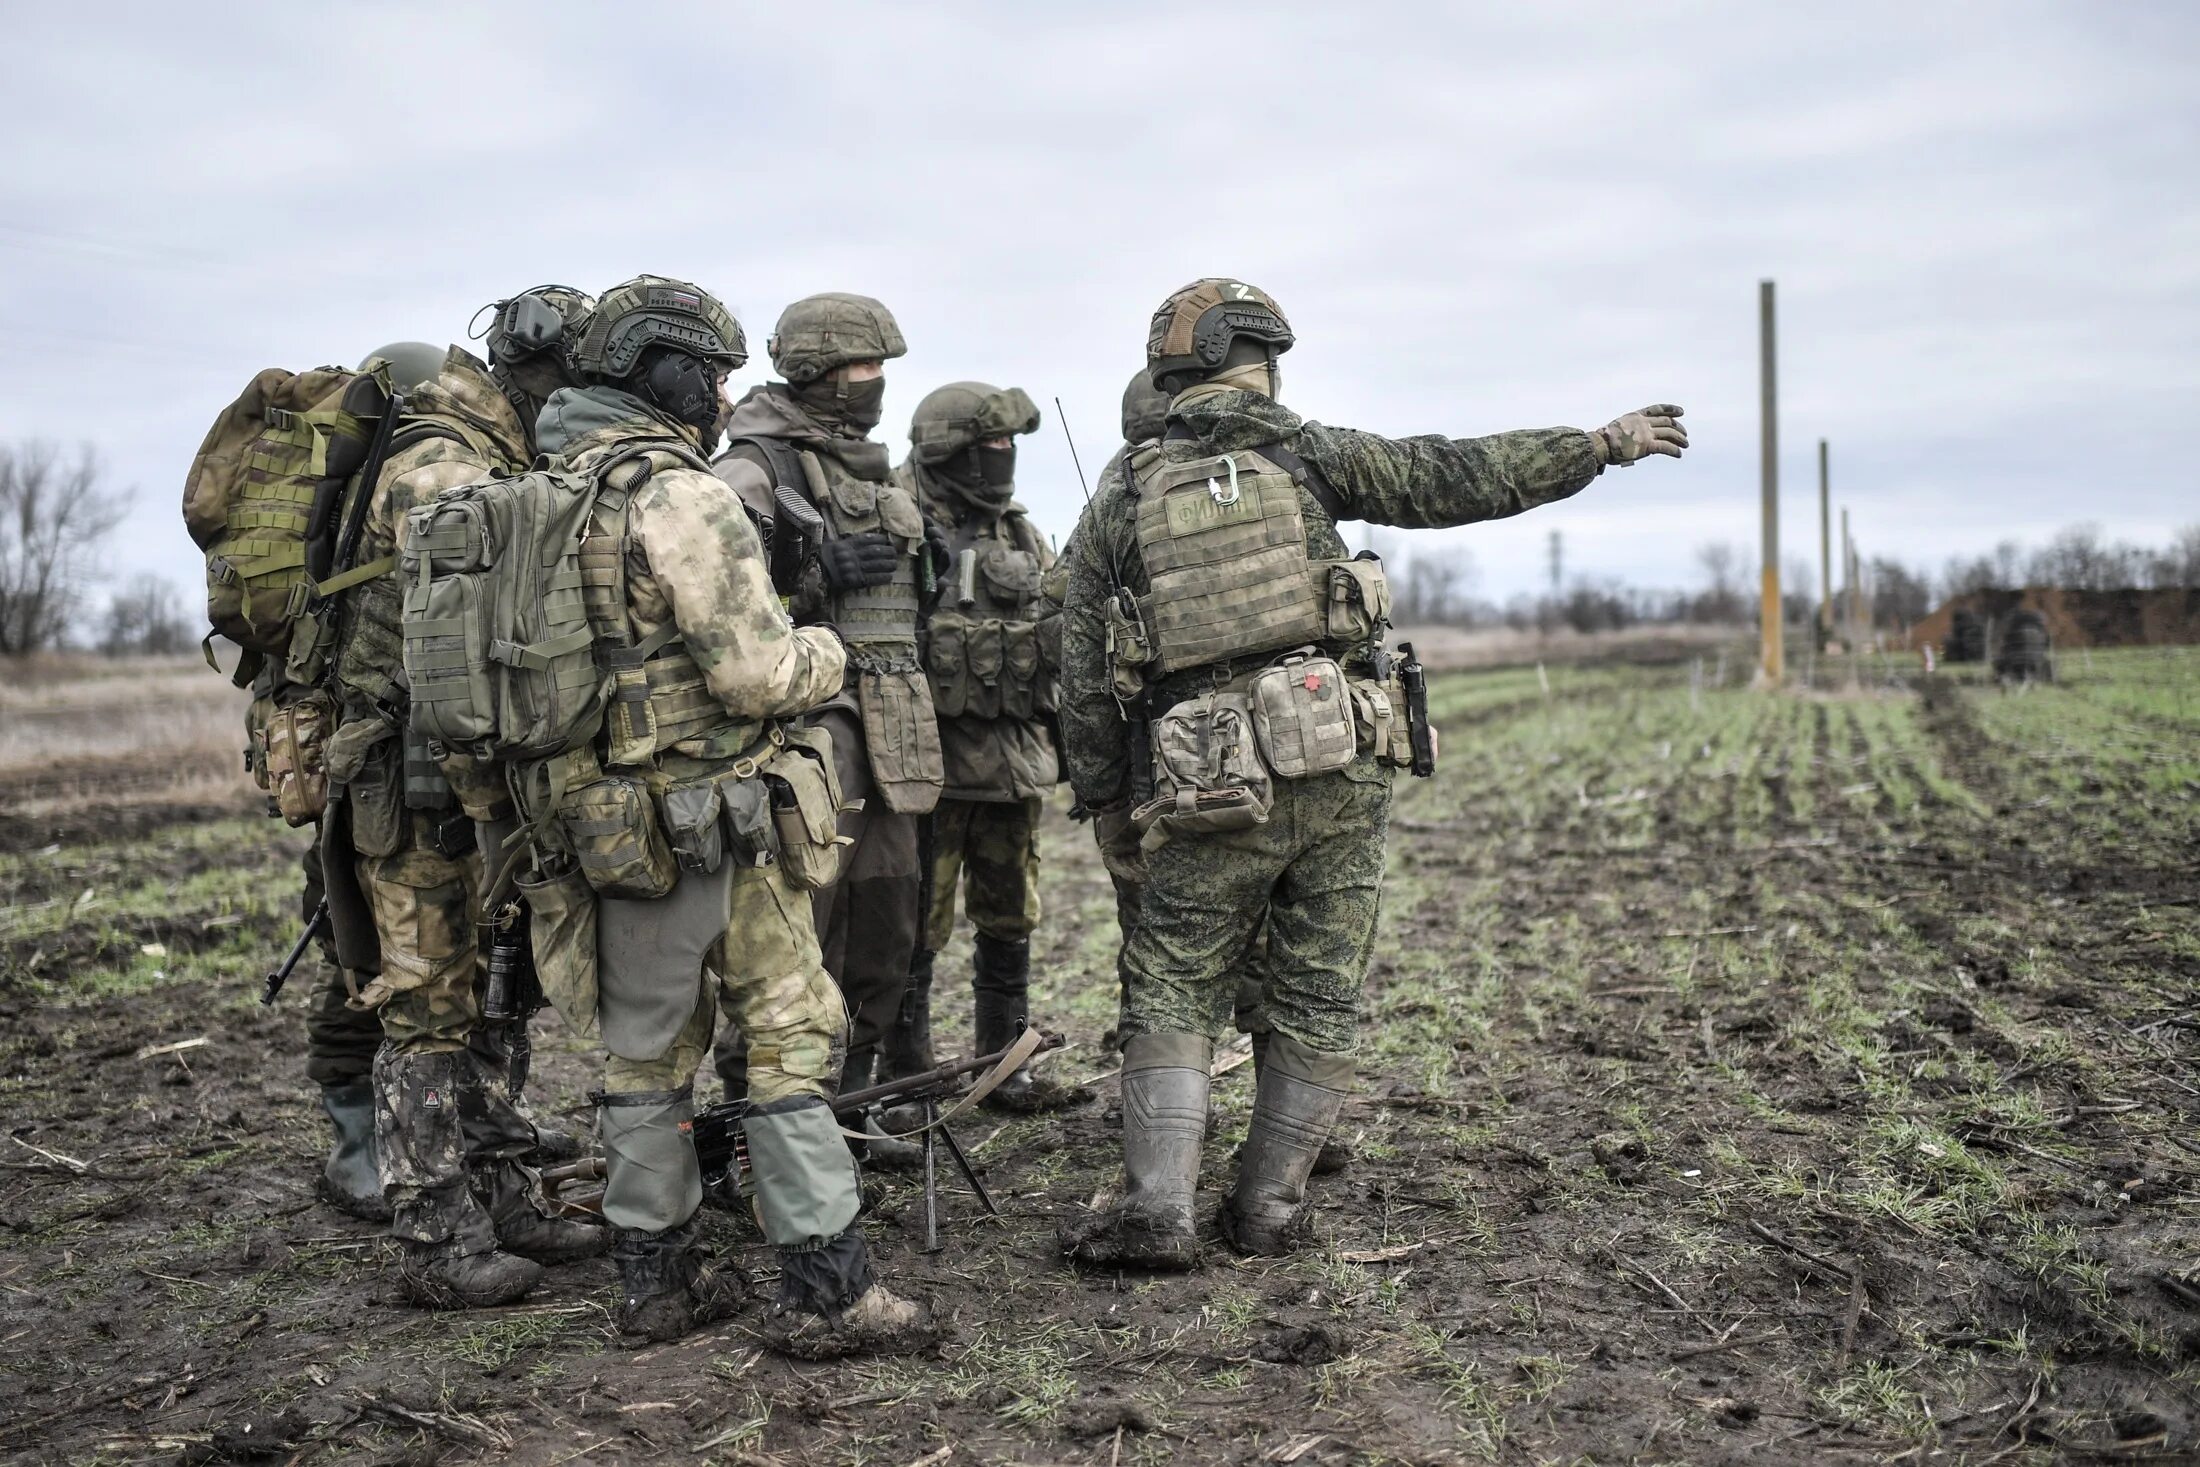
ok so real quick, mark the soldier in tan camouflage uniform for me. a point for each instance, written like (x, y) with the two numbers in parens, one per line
(994, 691)
(675, 584)
(1211, 591)
(402, 864)
(848, 551)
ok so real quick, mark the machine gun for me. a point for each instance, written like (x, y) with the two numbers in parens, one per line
(722, 1148)
(273, 983)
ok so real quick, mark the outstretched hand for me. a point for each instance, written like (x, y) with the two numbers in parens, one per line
(1632, 436)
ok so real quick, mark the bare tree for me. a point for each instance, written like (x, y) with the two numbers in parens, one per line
(146, 615)
(2078, 559)
(2176, 567)
(1726, 573)
(53, 517)
(1432, 588)
(1898, 594)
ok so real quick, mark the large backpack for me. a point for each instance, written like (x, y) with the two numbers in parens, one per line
(498, 646)
(267, 493)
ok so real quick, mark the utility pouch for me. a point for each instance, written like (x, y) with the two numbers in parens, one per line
(987, 652)
(1129, 648)
(750, 836)
(1302, 717)
(1359, 598)
(692, 826)
(425, 786)
(561, 926)
(1375, 720)
(375, 790)
(614, 835)
(901, 736)
(630, 725)
(805, 809)
(948, 660)
(1019, 670)
(1208, 774)
(296, 757)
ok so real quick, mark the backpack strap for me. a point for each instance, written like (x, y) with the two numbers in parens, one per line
(1306, 475)
(783, 458)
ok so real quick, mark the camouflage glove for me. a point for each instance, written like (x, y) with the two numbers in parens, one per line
(1119, 840)
(855, 561)
(1656, 429)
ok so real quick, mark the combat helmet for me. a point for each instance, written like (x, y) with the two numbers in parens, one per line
(954, 417)
(1145, 408)
(820, 332)
(410, 362)
(1193, 330)
(652, 310)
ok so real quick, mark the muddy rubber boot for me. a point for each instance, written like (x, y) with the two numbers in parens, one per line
(1300, 1092)
(830, 1306)
(554, 1144)
(450, 1258)
(351, 1179)
(507, 1190)
(670, 1286)
(908, 1046)
(1165, 1086)
(1336, 1153)
(1000, 1002)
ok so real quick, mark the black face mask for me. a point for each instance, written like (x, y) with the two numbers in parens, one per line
(855, 406)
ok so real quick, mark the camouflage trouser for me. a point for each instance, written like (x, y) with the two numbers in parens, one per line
(766, 974)
(423, 901)
(1119, 850)
(865, 923)
(1313, 874)
(340, 1040)
(997, 843)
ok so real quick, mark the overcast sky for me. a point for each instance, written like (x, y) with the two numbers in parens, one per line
(1984, 221)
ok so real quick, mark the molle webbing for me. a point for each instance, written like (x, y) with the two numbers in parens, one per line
(1223, 539)
(680, 703)
(370, 658)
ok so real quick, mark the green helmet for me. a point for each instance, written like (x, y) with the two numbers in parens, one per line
(410, 362)
(1194, 329)
(535, 321)
(820, 332)
(651, 310)
(953, 417)
(1145, 408)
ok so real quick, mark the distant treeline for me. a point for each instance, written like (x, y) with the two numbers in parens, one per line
(1435, 586)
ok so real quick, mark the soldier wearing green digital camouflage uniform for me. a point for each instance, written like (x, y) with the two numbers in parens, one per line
(402, 865)
(993, 689)
(848, 551)
(1211, 590)
(677, 593)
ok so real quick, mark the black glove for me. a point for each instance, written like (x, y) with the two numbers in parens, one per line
(855, 561)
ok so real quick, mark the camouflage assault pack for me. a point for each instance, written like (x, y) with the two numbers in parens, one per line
(269, 492)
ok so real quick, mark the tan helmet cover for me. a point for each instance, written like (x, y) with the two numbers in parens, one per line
(650, 310)
(820, 332)
(1194, 327)
(953, 417)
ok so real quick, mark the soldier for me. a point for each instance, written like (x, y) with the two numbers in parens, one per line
(675, 584)
(848, 550)
(400, 852)
(994, 692)
(1212, 590)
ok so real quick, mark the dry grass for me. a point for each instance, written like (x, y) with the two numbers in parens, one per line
(78, 732)
(1454, 649)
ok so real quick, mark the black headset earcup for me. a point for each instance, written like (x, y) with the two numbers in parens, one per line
(531, 324)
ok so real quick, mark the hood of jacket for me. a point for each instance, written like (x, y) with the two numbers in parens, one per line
(1226, 418)
(579, 424)
(463, 389)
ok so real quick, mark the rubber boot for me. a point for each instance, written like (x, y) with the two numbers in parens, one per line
(908, 1049)
(351, 1180)
(1165, 1085)
(1296, 1102)
(1001, 997)
(1336, 1153)
(670, 1286)
(507, 1190)
(880, 1149)
(450, 1258)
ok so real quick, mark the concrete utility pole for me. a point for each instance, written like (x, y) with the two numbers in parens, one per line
(1825, 543)
(1558, 561)
(1771, 669)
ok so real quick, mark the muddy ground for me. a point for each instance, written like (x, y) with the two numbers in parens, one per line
(1775, 1080)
